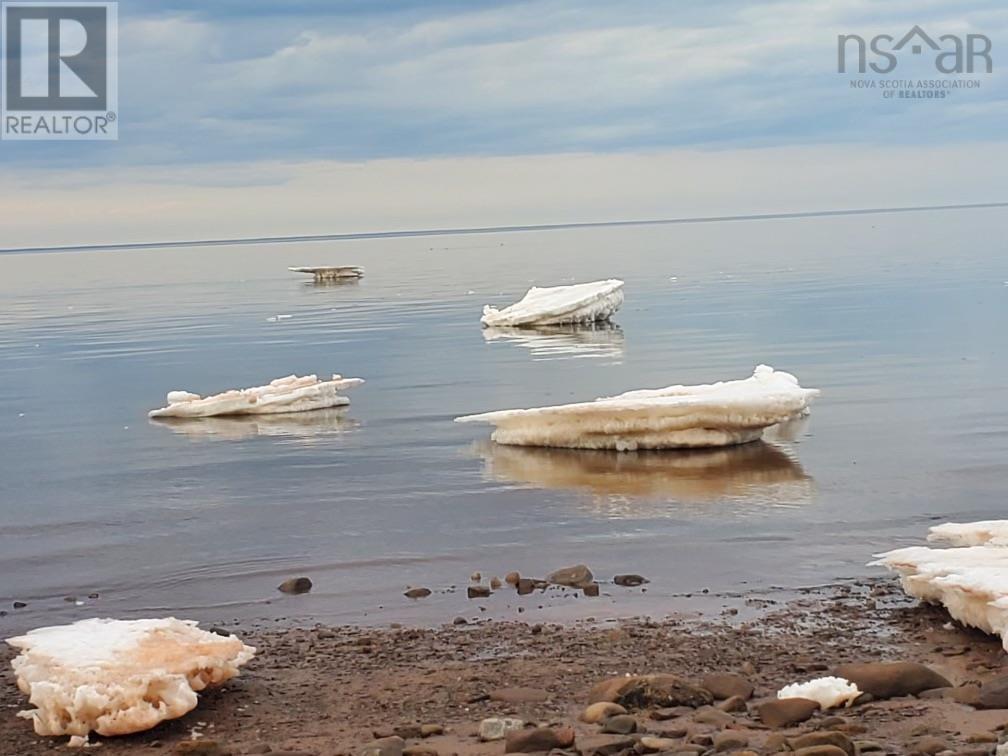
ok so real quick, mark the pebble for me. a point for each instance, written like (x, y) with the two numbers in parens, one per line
(604, 745)
(783, 712)
(630, 581)
(710, 715)
(824, 738)
(597, 712)
(729, 741)
(735, 703)
(538, 739)
(417, 593)
(512, 578)
(725, 685)
(892, 679)
(295, 585)
(592, 589)
(994, 694)
(577, 576)
(391, 746)
(929, 745)
(495, 583)
(652, 743)
(478, 591)
(619, 724)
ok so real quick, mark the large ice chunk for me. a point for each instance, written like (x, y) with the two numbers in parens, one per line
(331, 272)
(556, 305)
(290, 394)
(115, 677)
(717, 414)
(971, 581)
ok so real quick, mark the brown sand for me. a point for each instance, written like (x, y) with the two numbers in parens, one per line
(329, 690)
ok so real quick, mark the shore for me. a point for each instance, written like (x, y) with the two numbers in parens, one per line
(340, 690)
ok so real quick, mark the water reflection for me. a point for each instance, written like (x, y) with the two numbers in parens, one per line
(234, 427)
(603, 340)
(755, 471)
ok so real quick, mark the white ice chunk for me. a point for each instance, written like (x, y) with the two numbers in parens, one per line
(116, 677)
(830, 692)
(718, 414)
(971, 582)
(555, 305)
(290, 394)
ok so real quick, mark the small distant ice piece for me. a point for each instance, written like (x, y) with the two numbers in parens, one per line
(290, 394)
(830, 692)
(970, 581)
(331, 273)
(558, 305)
(117, 677)
(717, 414)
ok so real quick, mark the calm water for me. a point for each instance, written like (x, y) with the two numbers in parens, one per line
(900, 320)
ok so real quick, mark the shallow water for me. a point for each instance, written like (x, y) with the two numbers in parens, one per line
(900, 320)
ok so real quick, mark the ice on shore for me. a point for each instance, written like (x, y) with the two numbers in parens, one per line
(969, 580)
(829, 692)
(116, 677)
(557, 305)
(718, 414)
(290, 394)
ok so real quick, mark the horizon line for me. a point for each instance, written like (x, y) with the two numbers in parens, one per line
(125, 246)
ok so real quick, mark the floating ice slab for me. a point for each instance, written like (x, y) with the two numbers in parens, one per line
(718, 414)
(290, 394)
(331, 273)
(830, 692)
(970, 581)
(116, 677)
(557, 305)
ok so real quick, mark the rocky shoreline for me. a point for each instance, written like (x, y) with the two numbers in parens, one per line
(695, 686)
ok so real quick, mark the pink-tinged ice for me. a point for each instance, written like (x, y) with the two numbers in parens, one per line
(116, 677)
(830, 692)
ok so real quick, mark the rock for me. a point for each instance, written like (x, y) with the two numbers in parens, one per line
(776, 741)
(538, 739)
(661, 715)
(525, 586)
(729, 741)
(596, 712)
(824, 738)
(592, 589)
(460, 621)
(201, 748)
(710, 715)
(735, 703)
(416, 593)
(821, 750)
(982, 737)
(577, 576)
(419, 750)
(495, 583)
(475, 577)
(19, 604)
(784, 712)
(429, 730)
(391, 746)
(725, 685)
(519, 695)
(994, 694)
(497, 728)
(295, 585)
(630, 581)
(650, 691)
(892, 679)
(928, 745)
(654, 744)
(512, 578)
(619, 724)
(477, 591)
(603, 745)
(868, 746)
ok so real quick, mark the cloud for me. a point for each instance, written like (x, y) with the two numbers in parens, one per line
(235, 82)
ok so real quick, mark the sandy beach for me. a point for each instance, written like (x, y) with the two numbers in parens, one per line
(351, 690)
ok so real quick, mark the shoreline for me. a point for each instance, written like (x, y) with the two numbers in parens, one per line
(329, 690)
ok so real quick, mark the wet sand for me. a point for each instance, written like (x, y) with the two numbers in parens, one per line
(332, 690)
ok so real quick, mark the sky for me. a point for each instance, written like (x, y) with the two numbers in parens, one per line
(241, 117)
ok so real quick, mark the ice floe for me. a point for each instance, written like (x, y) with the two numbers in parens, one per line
(331, 272)
(970, 580)
(558, 305)
(718, 414)
(290, 394)
(829, 692)
(116, 677)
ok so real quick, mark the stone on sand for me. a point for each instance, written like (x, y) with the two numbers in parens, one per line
(630, 580)
(538, 739)
(577, 576)
(994, 694)
(892, 679)
(295, 585)
(597, 712)
(604, 745)
(519, 695)
(724, 685)
(619, 724)
(650, 691)
(784, 712)
(824, 738)
(497, 728)
(391, 746)
(417, 593)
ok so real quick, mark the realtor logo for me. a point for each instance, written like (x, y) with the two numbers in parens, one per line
(59, 75)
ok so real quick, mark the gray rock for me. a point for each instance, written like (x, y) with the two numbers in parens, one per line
(497, 728)
(577, 576)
